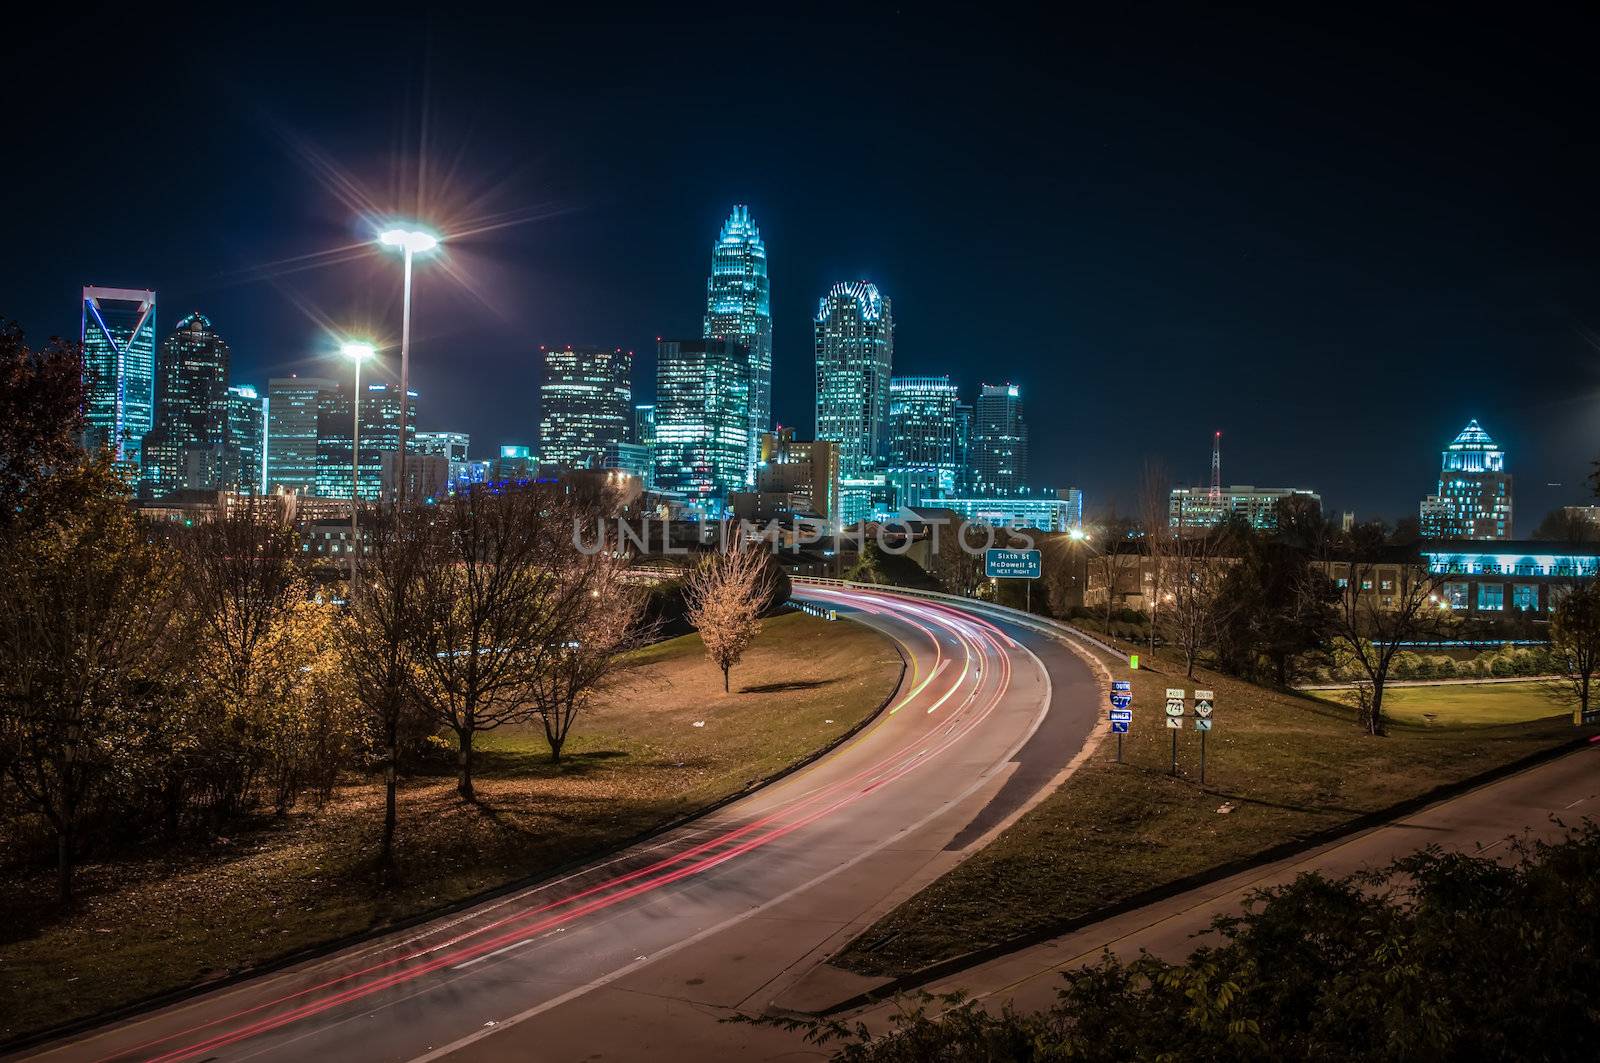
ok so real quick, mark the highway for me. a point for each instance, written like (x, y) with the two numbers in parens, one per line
(638, 955)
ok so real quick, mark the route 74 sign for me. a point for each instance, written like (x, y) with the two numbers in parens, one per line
(1174, 702)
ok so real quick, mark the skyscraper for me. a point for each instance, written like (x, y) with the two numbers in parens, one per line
(702, 420)
(1474, 496)
(644, 424)
(119, 368)
(854, 333)
(452, 446)
(999, 442)
(739, 306)
(191, 412)
(585, 403)
(380, 432)
(245, 440)
(292, 403)
(924, 438)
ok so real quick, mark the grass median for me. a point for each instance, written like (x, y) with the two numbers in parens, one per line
(669, 744)
(1279, 767)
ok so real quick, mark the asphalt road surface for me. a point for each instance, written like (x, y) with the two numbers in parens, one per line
(636, 956)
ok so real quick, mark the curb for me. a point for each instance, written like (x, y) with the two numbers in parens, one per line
(174, 996)
(922, 976)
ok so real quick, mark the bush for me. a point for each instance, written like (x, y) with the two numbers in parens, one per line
(1442, 956)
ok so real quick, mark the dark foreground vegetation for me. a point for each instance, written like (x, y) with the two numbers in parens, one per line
(1441, 956)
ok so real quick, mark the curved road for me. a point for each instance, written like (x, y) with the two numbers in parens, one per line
(638, 954)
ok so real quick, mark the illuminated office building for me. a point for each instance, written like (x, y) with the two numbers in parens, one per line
(854, 334)
(380, 432)
(739, 307)
(644, 425)
(119, 369)
(452, 446)
(999, 442)
(183, 449)
(1474, 496)
(702, 425)
(245, 440)
(292, 405)
(925, 450)
(1197, 509)
(585, 403)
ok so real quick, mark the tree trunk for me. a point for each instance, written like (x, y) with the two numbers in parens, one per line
(464, 780)
(555, 748)
(1375, 718)
(386, 850)
(725, 669)
(64, 865)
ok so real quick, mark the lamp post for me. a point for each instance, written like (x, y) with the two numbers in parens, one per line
(410, 242)
(357, 353)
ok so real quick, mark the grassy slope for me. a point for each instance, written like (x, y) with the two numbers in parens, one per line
(1463, 705)
(1288, 765)
(281, 885)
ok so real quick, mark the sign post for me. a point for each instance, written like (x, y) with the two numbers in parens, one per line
(1204, 701)
(1174, 721)
(1013, 564)
(1121, 712)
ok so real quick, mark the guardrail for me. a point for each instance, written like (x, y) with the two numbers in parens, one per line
(1016, 616)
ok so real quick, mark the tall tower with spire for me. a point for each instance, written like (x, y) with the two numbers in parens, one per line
(1474, 496)
(739, 308)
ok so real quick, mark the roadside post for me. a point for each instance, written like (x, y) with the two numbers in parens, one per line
(1013, 564)
(1121, 711)
(1204, 701)
(1174, 720)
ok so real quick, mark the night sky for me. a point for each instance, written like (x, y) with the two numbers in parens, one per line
(1334, 241)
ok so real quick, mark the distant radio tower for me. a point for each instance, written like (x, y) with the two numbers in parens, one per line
(1216, 472)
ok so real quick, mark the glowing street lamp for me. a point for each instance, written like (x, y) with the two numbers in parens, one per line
(410, 242)
(357, 353)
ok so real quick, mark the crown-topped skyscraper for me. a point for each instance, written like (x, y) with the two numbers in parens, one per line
(739, 308)
(1474, 498)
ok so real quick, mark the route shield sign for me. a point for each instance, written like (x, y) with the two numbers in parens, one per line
(1202, 724)
(1174, 706)
(1119, 727)
(1175, 723)
(1121, 715)
(1011, 564)
(1203, 702)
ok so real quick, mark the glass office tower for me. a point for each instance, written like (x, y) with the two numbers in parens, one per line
(585, 404)
(739, 307)
(854, 333)
(999, 442)
(119, 369)
(380, 432)
(292, 404)
(182, 450)
(245, 440)
(702, 422)
(925, 450)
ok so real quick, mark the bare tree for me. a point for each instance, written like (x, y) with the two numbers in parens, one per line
(1575, 641)
(496, 595)
(958, 569)
(726, 595)
(1372, 621)
(598, 619)
(1155, 489)
(374, 636)
(89, 639)
(247, 592)
(1195, 578)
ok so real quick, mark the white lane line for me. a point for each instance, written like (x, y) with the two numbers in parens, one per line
(623, 972)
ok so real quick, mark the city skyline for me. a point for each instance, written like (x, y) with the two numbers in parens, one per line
(1178, 266)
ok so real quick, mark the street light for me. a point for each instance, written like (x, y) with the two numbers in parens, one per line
(357, 353)
(410, 242)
